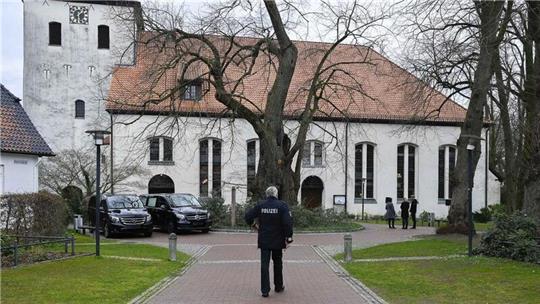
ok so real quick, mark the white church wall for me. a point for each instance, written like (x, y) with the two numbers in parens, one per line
(56, 76)
(131, 143)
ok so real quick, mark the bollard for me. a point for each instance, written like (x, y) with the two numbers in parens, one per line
(72, 245)
(172, 247)
(347, 254)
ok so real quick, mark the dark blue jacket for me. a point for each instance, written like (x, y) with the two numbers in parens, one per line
(275, 223)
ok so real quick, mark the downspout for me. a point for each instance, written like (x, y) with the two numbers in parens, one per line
(346, 163)
(486, 159)
(112, 158)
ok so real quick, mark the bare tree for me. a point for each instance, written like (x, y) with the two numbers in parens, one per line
(461, 40)
(213, 48)
(77, 168)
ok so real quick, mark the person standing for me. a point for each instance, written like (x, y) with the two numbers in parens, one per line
(414, 204)
(390, 214)
(404, 213)
(275, 231)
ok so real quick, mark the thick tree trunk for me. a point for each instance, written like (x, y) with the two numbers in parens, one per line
(489, 13)
(531, 199)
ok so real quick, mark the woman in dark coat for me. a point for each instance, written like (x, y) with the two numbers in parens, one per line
(390, 214)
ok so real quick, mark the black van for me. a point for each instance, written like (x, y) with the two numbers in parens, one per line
(177, 212)
(120, 214)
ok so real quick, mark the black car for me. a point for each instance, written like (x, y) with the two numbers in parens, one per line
(120, 214)
(177, 212)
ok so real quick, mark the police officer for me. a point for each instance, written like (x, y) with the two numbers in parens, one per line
(275, 231)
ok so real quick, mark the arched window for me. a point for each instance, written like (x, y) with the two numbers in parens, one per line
(447, 163)
(161, 150)
(251, 164)
(55, 33)
(210, 154)
(79, 108)
(406, 171)
(364, 171)
(313, 154)
(103, 37)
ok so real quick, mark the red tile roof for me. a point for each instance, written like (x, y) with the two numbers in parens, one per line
(17, 132)
(389, 93)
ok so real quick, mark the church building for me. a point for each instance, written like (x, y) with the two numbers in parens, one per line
(84, 70)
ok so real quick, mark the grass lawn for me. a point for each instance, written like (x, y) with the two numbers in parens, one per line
(453, 280)
(457, 280)
(430, 246)
(90, 279)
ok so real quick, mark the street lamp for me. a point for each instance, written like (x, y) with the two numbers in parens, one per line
(470, 151)
(363, 194)
(99, 136)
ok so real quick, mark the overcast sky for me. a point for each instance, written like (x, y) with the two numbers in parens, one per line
(11, 44)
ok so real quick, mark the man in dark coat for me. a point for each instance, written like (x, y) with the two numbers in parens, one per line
(275, 232)
(405, 213)
(414, 204)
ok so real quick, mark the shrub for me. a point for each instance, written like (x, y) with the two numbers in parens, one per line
(424, 216)
(483, 216)
(217, 209)
(39, 213)
(512, 236)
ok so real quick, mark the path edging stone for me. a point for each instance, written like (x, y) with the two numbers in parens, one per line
(167, 281)
(362, 290)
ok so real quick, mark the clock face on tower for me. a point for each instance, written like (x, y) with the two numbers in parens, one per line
(78, 14)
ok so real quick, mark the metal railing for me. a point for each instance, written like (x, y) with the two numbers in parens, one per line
(20, 243)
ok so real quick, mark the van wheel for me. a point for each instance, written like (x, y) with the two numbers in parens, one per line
(148, 233)
(106, 231)
(170, 227)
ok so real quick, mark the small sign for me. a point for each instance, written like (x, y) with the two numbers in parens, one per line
(340, 199)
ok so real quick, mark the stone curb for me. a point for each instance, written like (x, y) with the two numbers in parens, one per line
(295, 232)
(167, 281)
(362, 290)
(412, 258)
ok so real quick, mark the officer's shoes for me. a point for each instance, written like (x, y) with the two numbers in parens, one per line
(281, 289)
(265, 295)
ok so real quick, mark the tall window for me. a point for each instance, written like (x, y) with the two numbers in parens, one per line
(79, 108)
(192, 90)
(55, 33)
(447, 163)
(203, 168)
(251, 164)
(313, 154)
(210, 155)
(406, 171)
(103, 37)
(161, 150)
(364, 168)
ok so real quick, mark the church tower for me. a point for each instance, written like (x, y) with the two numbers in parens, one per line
(70, 50)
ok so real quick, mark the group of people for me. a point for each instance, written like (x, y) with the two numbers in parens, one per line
(406, 209)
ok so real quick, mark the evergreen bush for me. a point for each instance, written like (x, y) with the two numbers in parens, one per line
(512, 236)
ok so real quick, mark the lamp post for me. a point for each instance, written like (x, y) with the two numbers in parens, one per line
(99, 136)
(363, 194)
(470, 150)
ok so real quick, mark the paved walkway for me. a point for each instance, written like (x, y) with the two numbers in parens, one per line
(227, 269)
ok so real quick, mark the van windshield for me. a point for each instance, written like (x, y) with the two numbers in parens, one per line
(124, 202)
(184, 200)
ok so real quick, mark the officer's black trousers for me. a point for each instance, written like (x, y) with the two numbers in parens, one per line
(277, 256)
